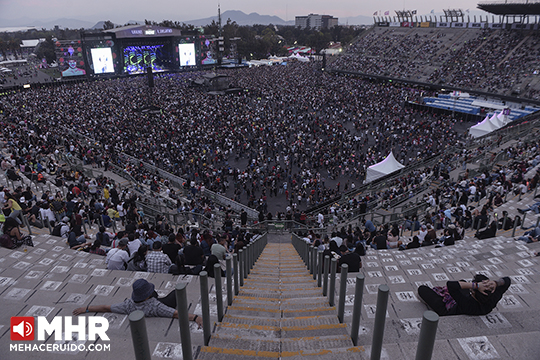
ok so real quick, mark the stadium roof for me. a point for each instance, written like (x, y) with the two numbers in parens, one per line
(510, 7)
(143, 31)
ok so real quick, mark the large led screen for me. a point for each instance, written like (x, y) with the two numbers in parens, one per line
(187, 54)
(102, 60)
(138, 58)
(70, 58)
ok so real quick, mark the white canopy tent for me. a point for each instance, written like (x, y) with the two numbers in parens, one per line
(503, 118)
(385, 167)
(497, 121)
(483, 128)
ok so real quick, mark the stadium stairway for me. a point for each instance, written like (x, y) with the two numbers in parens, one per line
(52, 280)
(280, 313)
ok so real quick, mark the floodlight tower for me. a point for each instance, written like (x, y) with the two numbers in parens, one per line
(221, 48)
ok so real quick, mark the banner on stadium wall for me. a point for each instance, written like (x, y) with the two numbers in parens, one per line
(443, 24)
(395, 24)
(407, 24)
(495, 26)
(520, 26)
(425, 24)
(535, 27)
(476, 25)
(458, 25)
(383, 24)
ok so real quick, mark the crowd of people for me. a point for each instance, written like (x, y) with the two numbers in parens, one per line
(494, 61)
(295, 134)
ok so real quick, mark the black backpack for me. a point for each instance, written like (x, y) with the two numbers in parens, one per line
(57, 230)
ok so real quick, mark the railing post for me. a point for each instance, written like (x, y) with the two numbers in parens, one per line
(241, 266)
(342, 291)
(537, 221)
(311, 260)
(139, 336)
(428, 331)
(246, 261)
(249, 255)
(48, 223)
(314, 261)
(219, 291)
(523, 221)
(25, 223)
(228, 260)
(515, 226)
(325, 278)
(236, 275)
(332, 290)
(357, 308)
(205, 306)
(380, 318)
(320, 268)
(183, 317)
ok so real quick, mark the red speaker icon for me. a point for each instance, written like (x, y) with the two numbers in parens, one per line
(22, 328)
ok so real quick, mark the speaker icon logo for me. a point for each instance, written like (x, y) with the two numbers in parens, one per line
(22, 328)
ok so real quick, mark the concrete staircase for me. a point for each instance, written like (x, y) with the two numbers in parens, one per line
(280, 313)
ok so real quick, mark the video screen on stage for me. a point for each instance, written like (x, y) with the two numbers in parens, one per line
(208, 52)
(138, 58)
(70, 58)
(102, 60)
(187, 54)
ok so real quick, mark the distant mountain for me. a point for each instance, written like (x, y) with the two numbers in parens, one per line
(242, 18)
(63, 23)
(48, 24)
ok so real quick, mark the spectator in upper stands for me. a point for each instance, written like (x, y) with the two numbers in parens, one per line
(118, 257)
(133, 244)
(171, 248)
(138, 260)
(352, 259)
(157, 261)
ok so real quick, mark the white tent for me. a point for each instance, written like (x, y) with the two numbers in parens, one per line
(503, 118)
(496, 121)
(482, 128)
(385, 167)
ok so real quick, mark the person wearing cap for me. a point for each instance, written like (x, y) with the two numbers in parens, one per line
(118, 257)
(143, 298)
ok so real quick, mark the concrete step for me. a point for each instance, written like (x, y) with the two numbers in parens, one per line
(351, 353)
(245, 343)
(313, 330)
(289, 346)
(309, 321)
(234, 310)
(251, 320)
(218, 353)
(277, 294)
(281, 345)
(310, 311)
(248, 330)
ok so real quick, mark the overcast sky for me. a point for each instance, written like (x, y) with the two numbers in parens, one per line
(122, 11)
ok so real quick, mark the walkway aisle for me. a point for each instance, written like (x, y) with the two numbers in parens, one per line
(280, 313)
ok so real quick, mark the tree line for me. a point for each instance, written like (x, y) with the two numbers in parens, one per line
(249, 42)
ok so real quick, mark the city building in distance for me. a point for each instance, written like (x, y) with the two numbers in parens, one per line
(315, 21)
